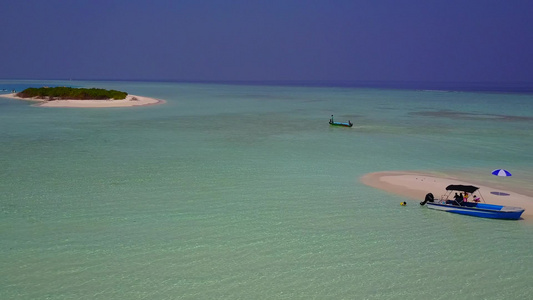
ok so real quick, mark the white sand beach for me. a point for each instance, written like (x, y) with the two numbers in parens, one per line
(416, 185)
(129, 101)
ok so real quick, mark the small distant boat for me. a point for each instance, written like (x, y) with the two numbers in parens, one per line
(475, 208)
(344, 124)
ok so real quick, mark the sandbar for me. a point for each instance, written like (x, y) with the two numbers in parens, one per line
(129, 101)
(415, 185)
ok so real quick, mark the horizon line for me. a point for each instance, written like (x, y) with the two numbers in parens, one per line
(465, 86)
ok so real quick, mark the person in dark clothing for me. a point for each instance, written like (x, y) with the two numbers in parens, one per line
(458, 199)
(461, 199)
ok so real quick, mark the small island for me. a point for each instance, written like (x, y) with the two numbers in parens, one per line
(81, 97)
(64, 93)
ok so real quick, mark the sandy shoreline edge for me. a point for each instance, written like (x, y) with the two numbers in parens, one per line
(415, 185)
(129, 101)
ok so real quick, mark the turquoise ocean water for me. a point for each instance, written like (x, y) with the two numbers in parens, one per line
(246, 192)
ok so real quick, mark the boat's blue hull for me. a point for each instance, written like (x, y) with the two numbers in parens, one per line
(481, 210)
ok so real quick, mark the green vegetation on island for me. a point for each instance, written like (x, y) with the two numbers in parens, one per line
(63, 93)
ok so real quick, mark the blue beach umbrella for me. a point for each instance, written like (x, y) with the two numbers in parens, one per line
(501, 172)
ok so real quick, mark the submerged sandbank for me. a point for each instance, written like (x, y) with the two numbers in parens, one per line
(415, 185)
(130, 100)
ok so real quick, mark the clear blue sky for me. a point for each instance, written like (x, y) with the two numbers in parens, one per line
(400, 40)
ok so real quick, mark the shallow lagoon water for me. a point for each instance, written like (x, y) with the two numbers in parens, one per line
(245, 192)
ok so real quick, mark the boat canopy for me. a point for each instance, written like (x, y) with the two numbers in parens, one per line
(462, 188)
